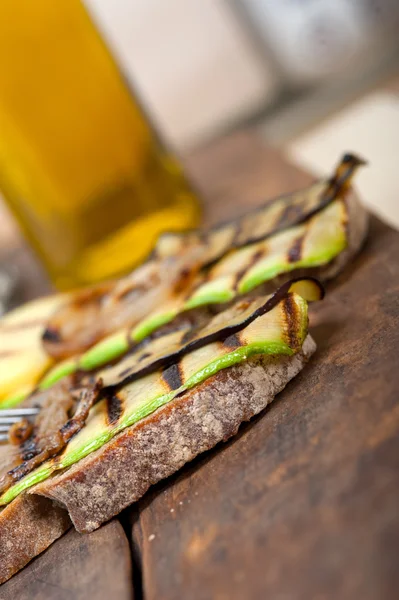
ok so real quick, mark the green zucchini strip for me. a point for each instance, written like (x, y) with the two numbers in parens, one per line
(276, 215)
(305, 229)
(281, 331)
(311, 244)
(168, 348)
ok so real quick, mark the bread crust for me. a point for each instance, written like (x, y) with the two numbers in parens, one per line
(119, 473)
(28, 525)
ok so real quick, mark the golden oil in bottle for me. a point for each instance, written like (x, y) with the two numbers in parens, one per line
(80, 166)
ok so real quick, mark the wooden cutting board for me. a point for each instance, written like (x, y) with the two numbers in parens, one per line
(304, 502)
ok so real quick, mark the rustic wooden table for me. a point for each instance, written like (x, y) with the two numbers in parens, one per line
(304, 501)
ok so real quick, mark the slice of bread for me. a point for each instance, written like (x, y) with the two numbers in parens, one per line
(105, 482)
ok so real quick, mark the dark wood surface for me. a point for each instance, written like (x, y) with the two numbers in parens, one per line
(78, 567)
(304, 501)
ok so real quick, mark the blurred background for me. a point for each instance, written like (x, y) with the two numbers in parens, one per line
(204, 66)
(314, 77)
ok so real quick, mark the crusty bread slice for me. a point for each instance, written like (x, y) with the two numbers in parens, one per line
(28, 525)
(105, 482)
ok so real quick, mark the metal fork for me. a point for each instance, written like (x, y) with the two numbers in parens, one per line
(13, 415)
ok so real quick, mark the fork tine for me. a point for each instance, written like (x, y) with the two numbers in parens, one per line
(9, 420)
(19, 412)
(11, 416)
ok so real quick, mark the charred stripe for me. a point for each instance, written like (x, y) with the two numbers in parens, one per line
(291, 320)
(114, 409)
(29, 448)
(185, 280)
(290, 214)
(294, 253)
(51, 334)
(232, 342)
(172, 376)
(188, 335)
(144, 356)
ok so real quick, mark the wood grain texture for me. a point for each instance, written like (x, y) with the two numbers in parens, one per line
(303, 503)
(77, 567)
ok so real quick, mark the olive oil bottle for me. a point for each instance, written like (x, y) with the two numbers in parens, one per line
(80, 166)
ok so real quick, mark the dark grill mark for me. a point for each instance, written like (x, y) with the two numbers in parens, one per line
(51, 334)
(184, 281)
(232, 342)
(173, 377)
(290, 215)
(68, 427)
(291, 319)
(189, 335)
(144, 356)
(29, 449)
(295, 252)
(114, 409)
(19, 471)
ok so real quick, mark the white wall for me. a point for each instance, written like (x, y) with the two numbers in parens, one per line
(193, 62)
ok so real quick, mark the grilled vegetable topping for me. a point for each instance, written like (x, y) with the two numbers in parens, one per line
(171, 347)
(309, 245)
(96, 312)
(170, 273)
(276, 215)
(117, 344)
(281, 330)
(22, 358)
(314, 243)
